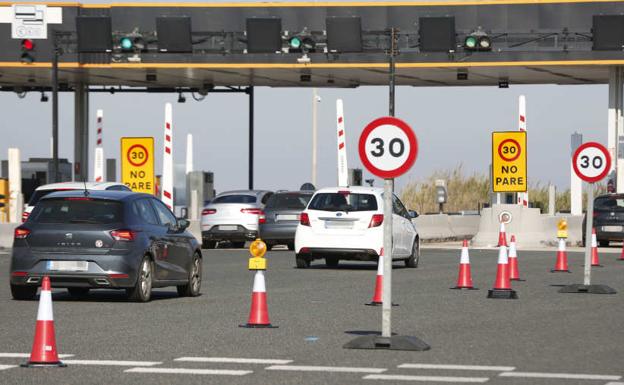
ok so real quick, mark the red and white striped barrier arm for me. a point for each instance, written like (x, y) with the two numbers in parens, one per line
(343, 170)
(167, 174)
(523, 198)
(98, 163)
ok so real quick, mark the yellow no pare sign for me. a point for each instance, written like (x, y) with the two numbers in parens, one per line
(137, 164)
(509, 161)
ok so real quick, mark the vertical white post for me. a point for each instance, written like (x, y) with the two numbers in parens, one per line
(189, 153)
(315, 100)
(98, 161)
(167, 174)
(386, 295)
(615, 124)
(588, 234)
(552, 197)
(576, 185)
(15, 186)
(343, 170)
(523, 197)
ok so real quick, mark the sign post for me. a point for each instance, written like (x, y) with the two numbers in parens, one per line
(137, 164)
(591, 162)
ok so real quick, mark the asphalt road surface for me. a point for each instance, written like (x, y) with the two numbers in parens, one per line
(544, 337)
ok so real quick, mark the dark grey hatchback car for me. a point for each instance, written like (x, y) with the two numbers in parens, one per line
(104, 239)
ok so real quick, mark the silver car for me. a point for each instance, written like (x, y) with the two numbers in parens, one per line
(233, 216)
(281, 217)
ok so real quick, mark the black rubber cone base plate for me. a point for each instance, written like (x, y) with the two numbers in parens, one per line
(588, 289)
(393, 343)
(518, 279)
(258, 326)
(31, 364)
(378, 304)
(463, 288)
(560, 271)
(502, 294)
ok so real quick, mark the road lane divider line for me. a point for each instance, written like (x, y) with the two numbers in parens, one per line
(457, 367)
(221, 372)
(230, 360)
(335, 369)
(27, 355)
(5, 367)
(111, 362)
(400, 377)
(563, 376)
(614, 383)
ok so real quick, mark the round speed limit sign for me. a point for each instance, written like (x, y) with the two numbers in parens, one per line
(591, 162)
(388, 147)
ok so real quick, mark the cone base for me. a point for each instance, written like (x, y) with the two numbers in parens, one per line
(518, 279)
(32, 364)
(258, 326)
(587, 289)
(464, 288)
(502, 294)
(376, 342)
(559, 271)
(375, 303)
(596, 265)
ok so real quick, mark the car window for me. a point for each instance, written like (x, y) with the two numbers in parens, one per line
(288, 201)
(343, 202)
(165, 216)
(398, 207)
(142, 209)
(238, 198)
(118, 188)
(266, 197)
(77, 210)
(609, 203)
(37, 195)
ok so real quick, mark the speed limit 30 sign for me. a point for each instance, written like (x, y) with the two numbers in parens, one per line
(388, 147)
(591, 162)
(509, 161)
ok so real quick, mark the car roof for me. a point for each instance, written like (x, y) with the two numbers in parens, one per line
(304, 192)
(353, 189)
(97, 194)
(243, 192)
(78, 185)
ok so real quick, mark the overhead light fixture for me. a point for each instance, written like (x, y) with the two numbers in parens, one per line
(305, 77)
(478, 40)
(462, 74)
(44, 97)
(503, 83)
(181, 98)
(151, 77)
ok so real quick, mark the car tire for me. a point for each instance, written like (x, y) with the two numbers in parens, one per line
(209, 244)
(78, 292)
(238, 245)
(604, 243)
(191, 289)
(291, 246)
(142, 290)
(332, 262)
(23, 293)
(302, 263)
(412, 261)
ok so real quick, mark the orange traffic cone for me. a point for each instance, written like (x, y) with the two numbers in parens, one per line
(259, 313)
(502, 285)
(43, 351)
(514, 273)
(464, 278)
(595, 261)
(502, 236)
(561, 266)
(377, 296)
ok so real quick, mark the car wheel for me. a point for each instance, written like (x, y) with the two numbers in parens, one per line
(195, 275)
(302, 263)
(78, 292)
(604, 243)
(291, 246)
(23, 293)
(142, 290)
(209, 244)
(332, 262)
(238, 245)
(413, 260)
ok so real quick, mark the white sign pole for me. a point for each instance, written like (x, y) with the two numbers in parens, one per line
(386, 308)
(588, 234)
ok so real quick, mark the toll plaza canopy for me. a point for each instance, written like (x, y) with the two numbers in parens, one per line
(322, 44)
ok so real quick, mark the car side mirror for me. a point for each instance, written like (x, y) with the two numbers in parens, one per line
(183, 224)
(413, 214)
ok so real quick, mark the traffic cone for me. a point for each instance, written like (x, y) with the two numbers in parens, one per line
(43, 351)
(502, 285)
(514, 273)
(464, 278)
(259, 313)
(377, 296)
(595, 261)
(561, 266)
(502, 236)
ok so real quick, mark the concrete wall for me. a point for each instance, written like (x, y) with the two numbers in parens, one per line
(6, 234)
(443, 227)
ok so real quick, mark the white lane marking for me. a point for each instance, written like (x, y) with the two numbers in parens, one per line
(111, 362)
(221, 372)
(27, 355)
(343, 369)
(457, 367)
(614, 383)
(5, 367)
(234, 360)
(398, 377)
(563, 376)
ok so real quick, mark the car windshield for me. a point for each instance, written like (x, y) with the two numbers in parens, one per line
(37, 195)
(609, 203)
(235, 199)
(77, 210)
(288, 201)
(340, 201)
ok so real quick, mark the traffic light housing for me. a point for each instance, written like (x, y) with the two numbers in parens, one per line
(132, 43)
(27, 48)
(301, 43)
(478, 40)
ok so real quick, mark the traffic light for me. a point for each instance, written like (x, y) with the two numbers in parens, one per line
(28, 47)
(301, 43)
(132, 43)
(478, 40)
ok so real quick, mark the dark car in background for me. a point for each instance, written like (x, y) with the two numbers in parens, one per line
(93, 239)
(608, 218)
(279, 221)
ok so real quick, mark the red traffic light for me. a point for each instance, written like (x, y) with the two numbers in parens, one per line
(28, 44)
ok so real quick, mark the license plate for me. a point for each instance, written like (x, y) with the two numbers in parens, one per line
(612, 228)
(68, 265)
(228, 227)
(287, 217)
(338, 224)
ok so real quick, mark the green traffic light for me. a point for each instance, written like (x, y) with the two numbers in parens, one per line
(295, 42)
(470, 42)
(126, 43)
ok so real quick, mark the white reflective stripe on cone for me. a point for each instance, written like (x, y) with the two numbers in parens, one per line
(259, 286)
(502, 256)
(45, 306)
(512, 250)
(465, 258)
(594, 240)
(562, 244)
(380, 265)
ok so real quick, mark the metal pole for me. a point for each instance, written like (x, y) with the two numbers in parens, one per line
(55, 134)
(588, 234)
(314, 134)
(251, 135)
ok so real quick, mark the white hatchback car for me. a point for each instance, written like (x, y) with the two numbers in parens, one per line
(346, 223)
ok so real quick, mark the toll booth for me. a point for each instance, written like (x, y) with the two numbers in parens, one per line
(355, 177)
(199, 191)
(37, 172)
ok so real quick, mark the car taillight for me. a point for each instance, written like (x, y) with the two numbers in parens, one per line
(252, 211)
(376, 220)
(596, 214)
(78, 199)
(261, 217)
(304, 219)
(25, 216)
(123, 235)
(209, 211)
(21, 233)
